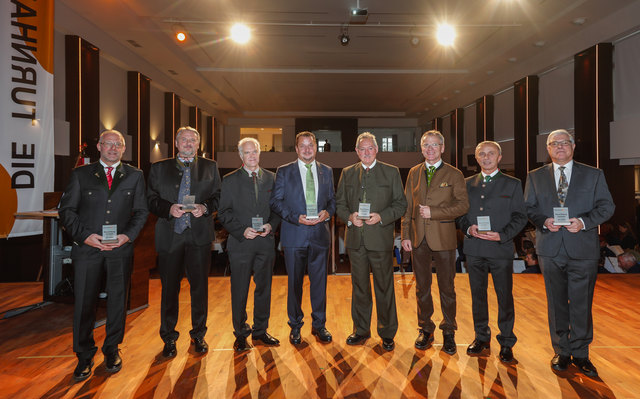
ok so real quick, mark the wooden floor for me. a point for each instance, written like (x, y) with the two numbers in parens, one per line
(36, 358)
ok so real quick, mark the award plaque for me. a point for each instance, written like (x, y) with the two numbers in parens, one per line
(109, 233)
(364, 210)
(312, 211)
(189, 203)
(561, 216)
(484, 224)
(257, 223)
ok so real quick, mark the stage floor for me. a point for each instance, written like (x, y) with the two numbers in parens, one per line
(36, 358)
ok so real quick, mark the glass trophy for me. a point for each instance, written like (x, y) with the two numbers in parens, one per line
(561, 216)
(312, 211)
(109, 233)
(364, 210)
(189, 203)
(484, 224)
(257, 224)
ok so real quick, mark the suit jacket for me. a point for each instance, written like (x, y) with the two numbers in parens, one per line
(87, 204)
(503, 202)
(588, 198)
(386, 198)
(238, 205)
(447, 197)
(162, 192)
(288, 201)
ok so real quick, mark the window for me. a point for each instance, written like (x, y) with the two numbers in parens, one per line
(387, 144)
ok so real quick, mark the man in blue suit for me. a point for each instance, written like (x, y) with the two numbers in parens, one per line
(303, 195)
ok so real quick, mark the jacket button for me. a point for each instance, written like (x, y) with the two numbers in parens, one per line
(481, 208)
(108, 211)
(482, 196)
(106, 222)
(108, 200)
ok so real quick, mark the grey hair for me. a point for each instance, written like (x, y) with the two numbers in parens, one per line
(248, 140)
(187, 129)
(112, 131)
(489, 142)
(432, 133)
(560, 131)
(366, 135)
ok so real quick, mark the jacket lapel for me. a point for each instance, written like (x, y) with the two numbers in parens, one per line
(98, 173)
(422, 183)
(118, 176)
(551, 183)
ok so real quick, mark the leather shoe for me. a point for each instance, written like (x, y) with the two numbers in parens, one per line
(585, 366)
(294, 337)
(424, 339)
(83, 370)
(322, 333)
(477, 347)
(449, 344)
(560, 362)
(113, 362)
(241, 344)
(169, 349)
(506, 354)
(200, 344)
(356, 339)
(388, 344)
(266, 339)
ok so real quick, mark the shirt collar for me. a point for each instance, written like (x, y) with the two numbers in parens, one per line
(183, 161)
(437, 164)
(114, 166)
(567, 167)
(301, 164)
(250, 172)
(495, 172)
(370, 166)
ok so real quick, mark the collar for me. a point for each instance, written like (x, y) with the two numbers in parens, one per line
(437, 164)
(114, 166)
(568, 167)
(495, 172)
(370, 166)
(301, 164)
(258, 171)
(181, 161)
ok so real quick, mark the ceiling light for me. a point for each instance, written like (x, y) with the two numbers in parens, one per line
(240, 33)
(415, 41)
(344, 37)
(539, 43)
(180, 33)
(579, 21)
(512, 59)
(358, 16)
(446, 34)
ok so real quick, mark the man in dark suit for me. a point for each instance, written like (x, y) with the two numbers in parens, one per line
(183, 192)
(303, 195)
(369, 240)
(487, 249)
(104, 193)
(436, 195)
(568, 253)
(245, 213)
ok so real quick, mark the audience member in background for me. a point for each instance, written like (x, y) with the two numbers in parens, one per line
(629, 261)
(627, 238)
(531, 262)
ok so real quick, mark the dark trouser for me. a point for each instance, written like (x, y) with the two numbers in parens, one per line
(242, 265)
(313, 258)
(195, 260)
(569, 284)
(88, 272)
(445, 272)
(381, 265)
(502, 275)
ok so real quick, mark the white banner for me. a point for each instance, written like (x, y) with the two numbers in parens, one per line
(26, 112)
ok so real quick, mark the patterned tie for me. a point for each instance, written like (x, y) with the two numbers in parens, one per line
(364, 185)
(310, 191)
(563, 186)
(254, 176)
(430, 172)
(185, 188)
(109, 177)
(487, 179)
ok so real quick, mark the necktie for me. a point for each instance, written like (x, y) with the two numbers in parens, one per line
(109, 177)
(487, 179)
(364, 185)
(254, 176)
(430, 172)
(185, 189)
(310, 191)
(563, 186)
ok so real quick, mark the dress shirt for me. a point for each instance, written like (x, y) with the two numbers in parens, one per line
(568, 167)
(370, 166)
(114, 166)
(493, 174)
(437, 164)
(250, 172)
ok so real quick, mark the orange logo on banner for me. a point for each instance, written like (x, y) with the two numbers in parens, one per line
(44, 33)
(9, 203)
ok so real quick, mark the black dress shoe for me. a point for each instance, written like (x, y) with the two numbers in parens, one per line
(388, 344)
(355, 339)
(294, 337)
(169, 349)
(424, 339)
(241, 344)
(266, 339)
(200, 344)
(449, 344)
(322, 333)
(477, 347)
(560, 362)
(83, 370)
(585, 366)
(113, 362)
(506, 354)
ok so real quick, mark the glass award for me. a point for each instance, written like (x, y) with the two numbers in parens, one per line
(364, 210)
(189, 203)
(484, 224)
(312, 211)
(257, 224)
(561, 216)
(109, 233)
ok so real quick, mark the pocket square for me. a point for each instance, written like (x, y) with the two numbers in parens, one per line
(444, 184)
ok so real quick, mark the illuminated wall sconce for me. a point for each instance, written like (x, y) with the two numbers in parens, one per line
(180, 33)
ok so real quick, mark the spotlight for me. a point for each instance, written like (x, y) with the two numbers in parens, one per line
(240, 33)
(446, 34)
(180, 33)
(344, 37)
(415, 41)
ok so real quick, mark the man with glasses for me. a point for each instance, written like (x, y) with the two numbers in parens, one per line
(436, 195)
(566, 201)
(183, 193)
(103, 209)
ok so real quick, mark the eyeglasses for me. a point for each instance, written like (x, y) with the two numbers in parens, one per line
(110, 144)
(560, 143)
(433, 145)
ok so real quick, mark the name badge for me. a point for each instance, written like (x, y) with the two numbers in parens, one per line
(484, 224)
(257, 224)
(312, 211)
(561, 216)
(364, 210)
(109, 234)
(188, 203)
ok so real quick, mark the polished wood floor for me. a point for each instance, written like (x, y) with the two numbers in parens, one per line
(36, 358)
